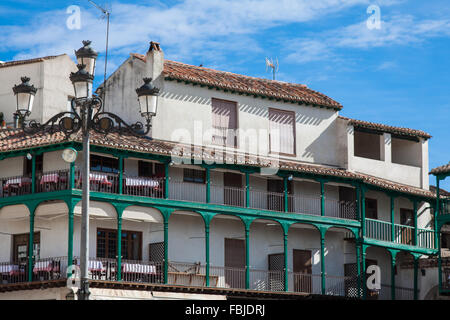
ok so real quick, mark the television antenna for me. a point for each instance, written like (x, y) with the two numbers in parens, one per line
(274, 65)
(106, 15)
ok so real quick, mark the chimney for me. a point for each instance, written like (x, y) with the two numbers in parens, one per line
(154, 61)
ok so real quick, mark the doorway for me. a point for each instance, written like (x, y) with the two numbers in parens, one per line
(302, 263)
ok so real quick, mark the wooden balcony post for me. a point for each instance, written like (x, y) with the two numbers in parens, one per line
(247, 190)
(208, 185)
(33, 174)
(70, 237)
(363, 212)
(119, 246)
(121, 175)
(166, 182)
(322, 261)
(392, 218)
(286, 273)
(416, 271)
(415, 223)
(207, 251)
(358, 268)
(31, 246)
(358, 202)
(72, 176)
(363, 267)
(247, 256)
(166, 249)
(393, 254)
(286, 200)
(322, 198)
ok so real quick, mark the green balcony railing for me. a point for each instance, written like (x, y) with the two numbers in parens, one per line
(378, 230)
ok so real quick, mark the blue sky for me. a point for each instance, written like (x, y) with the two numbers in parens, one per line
(397, 75)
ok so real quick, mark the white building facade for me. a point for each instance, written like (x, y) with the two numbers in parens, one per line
(249, 187)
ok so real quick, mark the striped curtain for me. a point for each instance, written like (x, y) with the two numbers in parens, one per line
(282, 131)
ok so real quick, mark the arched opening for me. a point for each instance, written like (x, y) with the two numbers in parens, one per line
(227, 252)
(404, 276)
(142, 244)
(341, 266)
(380, 257)
(187, 258)
(267, 266)
(14, 243)
(304, 259)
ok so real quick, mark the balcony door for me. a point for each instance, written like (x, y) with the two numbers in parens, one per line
(407, 219)
(275, 196)
(347, 203)
(302, 260)
(233, 194)
(235, 263)
(276, 274)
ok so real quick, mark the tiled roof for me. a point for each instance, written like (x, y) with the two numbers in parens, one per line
(15, 139)
(441, 170)
(386, 128)
(20, 62)
(284, 91)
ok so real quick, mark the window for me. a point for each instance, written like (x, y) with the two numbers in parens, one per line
(282, 132)
(193, 175)
(371, 208)
(150, 169)
(107, 244)
(20, 247)
(224, 122)
(367, 144)
(29, 163)
(104, 164)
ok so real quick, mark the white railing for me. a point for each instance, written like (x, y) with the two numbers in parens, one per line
(187, 191)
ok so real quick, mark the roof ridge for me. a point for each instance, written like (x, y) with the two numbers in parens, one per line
(32, 60)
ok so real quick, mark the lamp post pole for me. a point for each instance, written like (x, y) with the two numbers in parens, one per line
(83, 292)
(86, 115)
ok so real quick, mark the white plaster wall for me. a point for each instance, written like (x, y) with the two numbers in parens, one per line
(316, 129)
(53, 161)
(11, 167)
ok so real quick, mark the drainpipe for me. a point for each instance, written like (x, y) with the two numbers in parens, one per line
(247, 257)
(286, 273)
(392, 219)
(207, 251)
(166, 249)
(322, 260)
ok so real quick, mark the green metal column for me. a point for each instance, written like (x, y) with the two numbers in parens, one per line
(31, 246)
(358, 209)
(120, 175)
(286, 200)
(358, 267)
(415, 223)
(363, 212)
(392, 276)
(33, 174)
(207, 252)
(247, 190)
(208, 185)
(166, 184)
(119, 247)
(322, 261)
(416, 272)
(363, 282)
(72, 176)
(247, 257)
(286, 272)
(70, 236)
(322, 198)
(392, 219)
(437, 239)
(166, 249)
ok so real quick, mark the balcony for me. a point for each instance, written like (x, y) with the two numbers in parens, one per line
(381, 230)
(179, 274)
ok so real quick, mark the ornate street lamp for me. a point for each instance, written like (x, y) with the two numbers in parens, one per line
(24, 93)
(87, 56)
(86, 114)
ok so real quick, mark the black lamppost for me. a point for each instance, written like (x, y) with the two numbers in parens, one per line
(87, 113)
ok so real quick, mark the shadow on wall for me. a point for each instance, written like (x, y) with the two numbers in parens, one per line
(327, 140)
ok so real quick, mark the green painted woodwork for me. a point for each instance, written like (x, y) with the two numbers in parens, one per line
(30, 248)
(33, 174)
(72, 176)
(119, 247)
(364, 274)
(208, 185)
(166, 181)
(322, 198)
(358, 268)
(247, 190)
(121, 174)
(415, 223)
(322, 262)
(247, 255)
(416, 267)
(286, 254)
(207, 253)
(392, 218)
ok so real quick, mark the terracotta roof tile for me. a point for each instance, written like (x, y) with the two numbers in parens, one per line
(27, 61)
(386, 128)
(11, 140)
(290, 92)
(441, 170)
